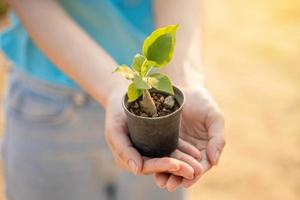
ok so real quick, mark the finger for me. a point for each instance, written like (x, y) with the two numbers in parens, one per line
(161, 179)
(216, 142)
(188, 183)
(166, 164)
(214, 149)
(189, 149)
(173, 183)
(205, 164)
(157, 165)
(188, 160)
(123, 150)
(185, 171)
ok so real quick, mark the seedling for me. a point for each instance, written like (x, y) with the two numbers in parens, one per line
(157, 52)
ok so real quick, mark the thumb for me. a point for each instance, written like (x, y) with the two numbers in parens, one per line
(217, 142)
(116, 134)
(131, 159)
(117, 138)
(214, 149)
(125, 154)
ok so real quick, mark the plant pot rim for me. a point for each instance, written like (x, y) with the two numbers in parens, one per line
(161, 117)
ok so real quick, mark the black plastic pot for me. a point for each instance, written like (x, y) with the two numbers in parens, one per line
(155, 137)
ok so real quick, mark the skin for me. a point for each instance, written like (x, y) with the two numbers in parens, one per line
(202, 126)
(202, 120)
(202, 130)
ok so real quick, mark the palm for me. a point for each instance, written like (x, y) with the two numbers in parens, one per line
(202, 126)
(193, 126)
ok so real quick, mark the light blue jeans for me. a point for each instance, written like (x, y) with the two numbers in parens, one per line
(54, 148)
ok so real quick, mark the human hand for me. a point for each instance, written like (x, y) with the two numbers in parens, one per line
(202, 126)
(128, 158)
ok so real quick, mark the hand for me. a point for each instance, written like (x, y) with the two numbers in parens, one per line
(202, 126)
(128, 158)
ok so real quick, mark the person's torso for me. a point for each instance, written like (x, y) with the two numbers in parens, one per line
(119, 26)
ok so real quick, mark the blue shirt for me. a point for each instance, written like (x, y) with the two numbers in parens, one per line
(119, 26)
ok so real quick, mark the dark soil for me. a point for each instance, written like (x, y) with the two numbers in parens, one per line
(158, 98)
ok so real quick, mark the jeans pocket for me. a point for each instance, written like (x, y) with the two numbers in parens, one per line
(37, 105)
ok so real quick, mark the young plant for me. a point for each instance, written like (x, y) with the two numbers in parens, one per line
(157, 50)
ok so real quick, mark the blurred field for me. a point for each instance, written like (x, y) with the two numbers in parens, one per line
(252, 58)
(252, 54)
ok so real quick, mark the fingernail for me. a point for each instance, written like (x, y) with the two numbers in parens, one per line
(191, 177)
(162, 185)
(198, 173)
(172, 189)
(216, 158)
(169, 189)
(133, 166)
(175, 168)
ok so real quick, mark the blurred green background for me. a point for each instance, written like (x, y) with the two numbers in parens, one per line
(252, 67)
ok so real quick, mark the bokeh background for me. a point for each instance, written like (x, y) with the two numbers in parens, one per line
(252, 67)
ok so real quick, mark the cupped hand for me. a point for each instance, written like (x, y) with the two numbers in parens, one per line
(202, 126)
(127, 157)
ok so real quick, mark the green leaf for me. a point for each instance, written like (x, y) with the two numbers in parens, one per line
(125, 71)
(133, 93)
(161, 82)
(138, 62)
(159, 46)
(147, 66)
(141, 83)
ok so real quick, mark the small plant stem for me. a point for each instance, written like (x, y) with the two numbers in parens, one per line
(148, 104)
(148, 71)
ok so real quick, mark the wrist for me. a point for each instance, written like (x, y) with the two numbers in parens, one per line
(116, 92)
(186, 74)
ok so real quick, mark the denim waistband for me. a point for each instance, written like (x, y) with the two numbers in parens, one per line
(78, 95)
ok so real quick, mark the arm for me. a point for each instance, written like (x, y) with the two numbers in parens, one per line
(68, 46)
(185, 67)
